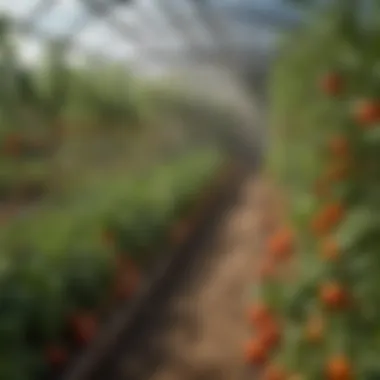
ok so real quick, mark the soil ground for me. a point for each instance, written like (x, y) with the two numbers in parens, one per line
(200, 333)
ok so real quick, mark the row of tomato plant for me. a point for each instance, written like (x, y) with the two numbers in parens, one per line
(63, 272)
(44, 105)
(315, 312)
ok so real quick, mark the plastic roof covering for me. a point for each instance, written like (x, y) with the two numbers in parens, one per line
(139, 30)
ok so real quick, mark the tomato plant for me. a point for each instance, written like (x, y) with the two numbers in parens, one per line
(64, 270)
(324, 157)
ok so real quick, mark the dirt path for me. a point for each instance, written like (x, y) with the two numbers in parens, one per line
(199, 333)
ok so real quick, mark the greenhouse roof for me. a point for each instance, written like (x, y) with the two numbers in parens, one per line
(141, 30)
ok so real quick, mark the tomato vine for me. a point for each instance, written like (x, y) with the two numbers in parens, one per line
(324, 156)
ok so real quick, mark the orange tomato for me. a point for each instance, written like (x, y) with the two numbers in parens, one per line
(328, 218)
(367, 112)
(259, 314)
(339, 368)
(255, 353)
(281, 244)
(331, 83)
(333, 295)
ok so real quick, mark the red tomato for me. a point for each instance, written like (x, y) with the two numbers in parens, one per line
(84, 326)
(256, 353)
(367, 113)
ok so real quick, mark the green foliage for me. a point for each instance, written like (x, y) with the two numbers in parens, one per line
(298, 107)
(55, 261)
(46, 107)
(54, 258)
(306, 116)
(57, 92)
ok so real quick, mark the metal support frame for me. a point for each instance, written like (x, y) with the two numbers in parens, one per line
(211, 19)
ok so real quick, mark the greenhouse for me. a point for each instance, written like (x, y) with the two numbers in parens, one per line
(188, 189)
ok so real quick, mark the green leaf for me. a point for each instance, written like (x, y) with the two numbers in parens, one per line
(358, 222)
(304, 206)
(373, 135)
